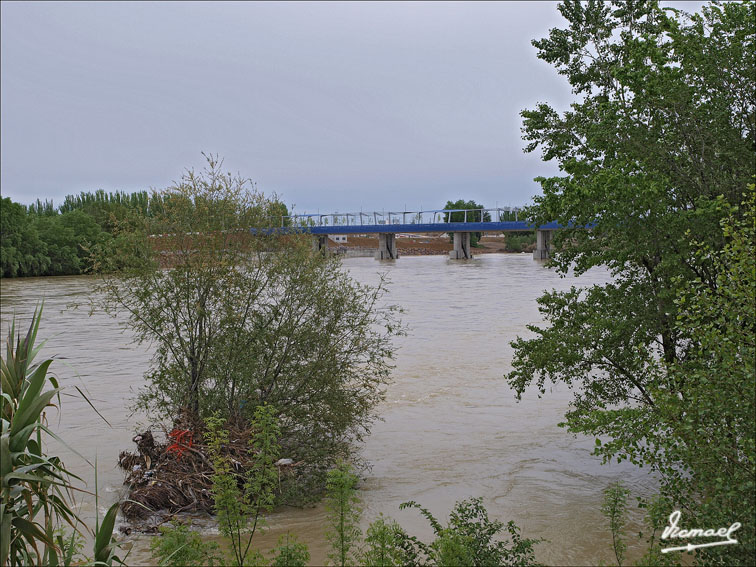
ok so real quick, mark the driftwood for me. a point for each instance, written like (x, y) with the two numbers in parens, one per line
(175, 476)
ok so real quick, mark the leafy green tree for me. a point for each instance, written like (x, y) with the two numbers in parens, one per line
(240, 319)
(109, 210)
(704, 440)
(42, 209)
(519, 242)
(475, 215)
(61, 245)
(68, 238)
(22, 252)
(655, 152)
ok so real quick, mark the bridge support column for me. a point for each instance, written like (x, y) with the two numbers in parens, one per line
(462, 250)
(386, 246)
(543, 244)
(320, 243)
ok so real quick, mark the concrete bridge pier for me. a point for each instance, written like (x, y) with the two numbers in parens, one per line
(320, 243)
(543, 245)
(386, 246)
(462, 249)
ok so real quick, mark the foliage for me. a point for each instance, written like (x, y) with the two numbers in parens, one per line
(37, 490)
(41, 241)
(290, 553)
(70, 543)
(105, 545)
(344, 512)
(44, 240)
(657, 513)
(239, 511)
(473, 216)
(68, 238)
(469, 539)
(107, 209)
(655, 153)
(385, 545)
(657, 509)
(239, 320)
(22, 252)
(704, 440)
(518, 242)
(178, 545)
(614, 509)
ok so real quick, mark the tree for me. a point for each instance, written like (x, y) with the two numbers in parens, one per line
(22, 253)
(475, 215)
(68, 238)
(655, 152)
(240, 320)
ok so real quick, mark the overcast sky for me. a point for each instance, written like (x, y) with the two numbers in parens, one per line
(334, 106)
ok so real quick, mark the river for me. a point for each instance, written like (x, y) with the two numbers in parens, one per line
(451, 427)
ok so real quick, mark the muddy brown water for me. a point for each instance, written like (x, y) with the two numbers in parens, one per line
(451, 427)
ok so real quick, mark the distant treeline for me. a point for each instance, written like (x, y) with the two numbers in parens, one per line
(44, 240)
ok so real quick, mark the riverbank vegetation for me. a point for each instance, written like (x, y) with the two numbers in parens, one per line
(38, 520)
(657, 157)
(43, 240)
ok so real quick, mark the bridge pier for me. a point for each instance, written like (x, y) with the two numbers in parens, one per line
(462, 250)
(320, 243)
(386, 246)
(543, 245)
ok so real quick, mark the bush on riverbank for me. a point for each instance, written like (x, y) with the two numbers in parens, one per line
(240, 321)
(520, 242)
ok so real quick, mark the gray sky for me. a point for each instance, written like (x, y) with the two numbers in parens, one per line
(334, 106)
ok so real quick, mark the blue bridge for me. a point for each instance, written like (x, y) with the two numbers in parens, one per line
(460, 222)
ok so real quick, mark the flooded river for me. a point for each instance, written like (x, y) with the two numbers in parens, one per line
(451, 426)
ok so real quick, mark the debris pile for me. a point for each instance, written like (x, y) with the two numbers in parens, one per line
(175, 476)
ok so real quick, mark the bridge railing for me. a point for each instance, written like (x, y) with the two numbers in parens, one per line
(375, 218)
